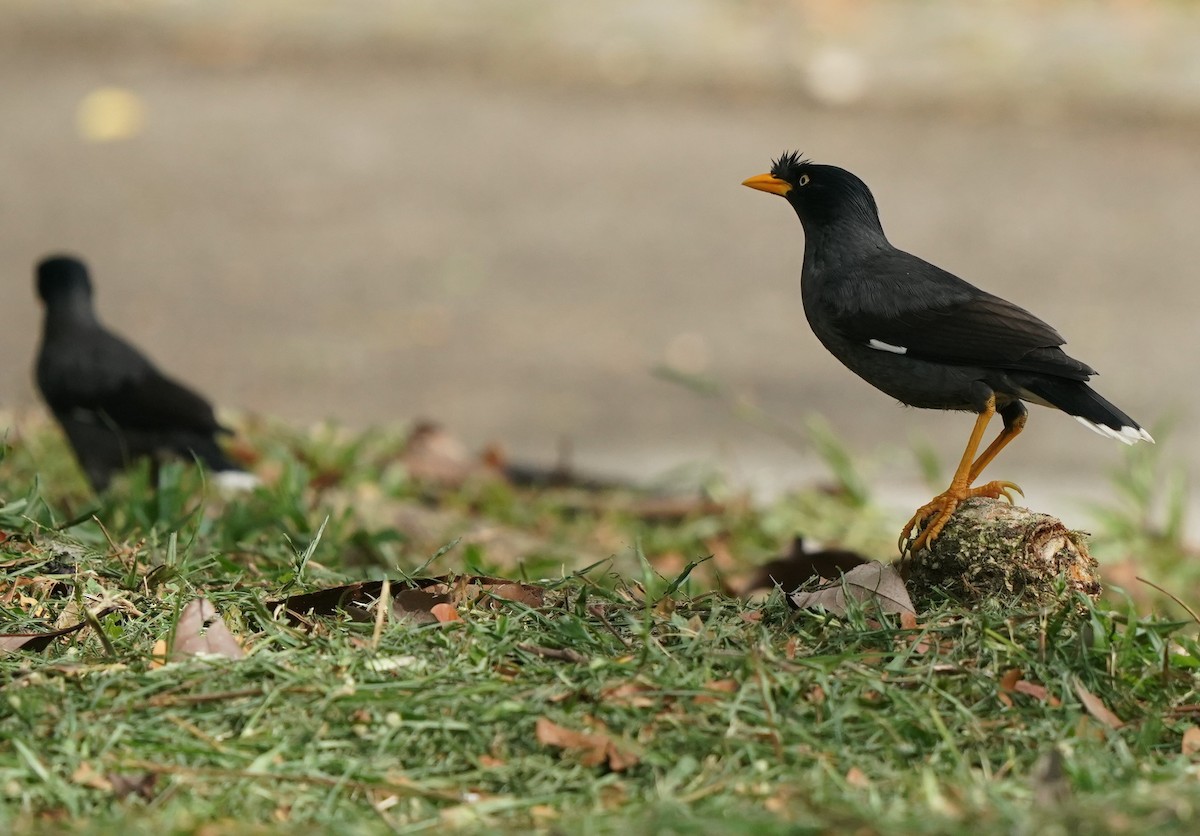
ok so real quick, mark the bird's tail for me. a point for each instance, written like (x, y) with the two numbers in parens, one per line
(1078, 400)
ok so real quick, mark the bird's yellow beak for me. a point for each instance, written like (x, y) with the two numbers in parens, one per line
(768, 183)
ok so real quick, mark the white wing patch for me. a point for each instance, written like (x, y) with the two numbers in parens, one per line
(880, 345)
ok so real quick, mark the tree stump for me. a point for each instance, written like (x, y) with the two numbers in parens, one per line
(995, 553)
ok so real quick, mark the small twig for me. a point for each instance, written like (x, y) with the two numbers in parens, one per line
(382, 606)
(164, 700)
(1186, 608)
(599, 613)
(564, 654)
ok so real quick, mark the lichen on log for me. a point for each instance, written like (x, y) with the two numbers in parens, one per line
(991, 552)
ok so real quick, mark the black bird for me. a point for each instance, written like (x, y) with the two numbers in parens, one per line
(925, 336)
(112, 403)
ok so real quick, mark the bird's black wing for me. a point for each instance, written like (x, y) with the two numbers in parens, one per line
(938, 317)
(104, 374)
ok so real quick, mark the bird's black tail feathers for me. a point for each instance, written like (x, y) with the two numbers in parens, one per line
(1087, 407)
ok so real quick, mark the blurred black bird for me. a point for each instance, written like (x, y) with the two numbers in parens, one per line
(926, 337)
(112, 403)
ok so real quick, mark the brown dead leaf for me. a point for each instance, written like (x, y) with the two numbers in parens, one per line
(751, 616)
(1038, 692)
(1191, 742)
(85, 775)
(908, 620)
(799, 566)
(445, 613)
(717, 686)
(140, 784)
(593, 748)
(872, 581)
(434, 456)
(858, 779)
(1095, 706)
(202, 632)
(490, 761)
(35, 641)
(1007, 682)
(632, 694)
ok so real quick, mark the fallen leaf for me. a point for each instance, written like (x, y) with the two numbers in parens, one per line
(855, 777)
(1191, 742)
(202, 632)
(490, 762)
(593, 748)
(1095, 707)
(1038, 692)
(751, 616)
(799, 567)
(1007, 683)
(432, 455)
(632, 694)
(140, 784)
(718, 686)
(36, 641)
(869, 582)
(445, 613)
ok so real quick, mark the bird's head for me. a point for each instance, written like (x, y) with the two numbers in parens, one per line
(60, 276)
(822, 195)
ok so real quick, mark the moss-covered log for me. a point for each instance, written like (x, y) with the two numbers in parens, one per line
(993, 552)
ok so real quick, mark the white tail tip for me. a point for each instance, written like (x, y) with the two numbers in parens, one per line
(1125, 435)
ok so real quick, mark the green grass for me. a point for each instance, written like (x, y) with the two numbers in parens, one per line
(730, 716)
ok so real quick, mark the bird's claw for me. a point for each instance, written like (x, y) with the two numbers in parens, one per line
(929, 520)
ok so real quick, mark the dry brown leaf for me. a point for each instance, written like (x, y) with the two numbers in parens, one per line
(789, 650)
(85, 775)
(140, 784)
(1038, 692)
(35, 641)
(858, 779)
(717, 686)
(908, 620)
(1007, 683)
(445, 613)
(1095, 706)
(1191, 742)
(593, 748)
(633, 694)
(872, 581)
(202, 632)
(751, 616)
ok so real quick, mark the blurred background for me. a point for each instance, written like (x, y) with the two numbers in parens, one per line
(505, 216)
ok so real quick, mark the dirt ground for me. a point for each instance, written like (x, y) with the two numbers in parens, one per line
(374, 240)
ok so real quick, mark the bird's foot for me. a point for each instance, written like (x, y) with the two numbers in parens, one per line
(929, 520)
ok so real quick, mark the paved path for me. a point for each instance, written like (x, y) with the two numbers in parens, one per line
(370, 241)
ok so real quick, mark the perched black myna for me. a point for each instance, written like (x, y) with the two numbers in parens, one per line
(926, 337)
(112, 403)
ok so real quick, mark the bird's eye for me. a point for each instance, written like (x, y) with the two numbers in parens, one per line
(804, 178)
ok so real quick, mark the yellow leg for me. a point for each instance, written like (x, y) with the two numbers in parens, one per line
(1007, 434)
(929, 520)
